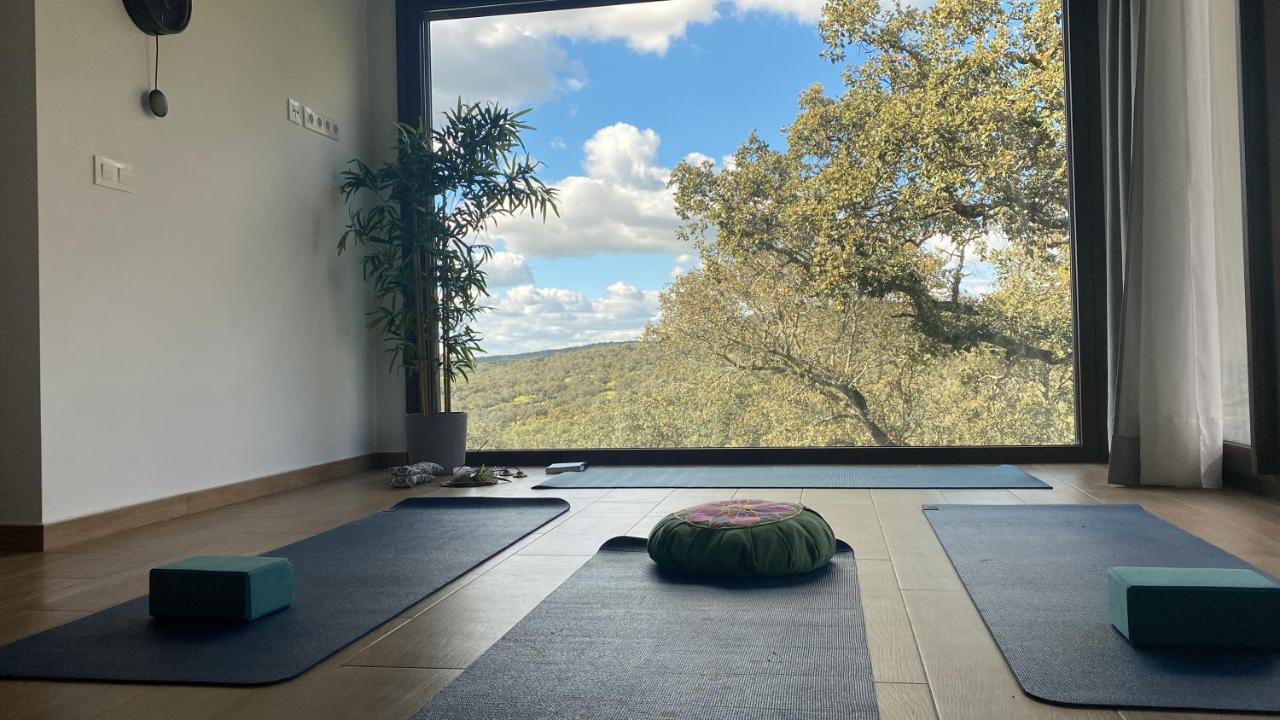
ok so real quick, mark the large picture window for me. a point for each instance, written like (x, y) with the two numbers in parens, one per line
(782, 224)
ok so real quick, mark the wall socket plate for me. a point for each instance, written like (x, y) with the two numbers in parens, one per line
(310, 119)
(295, 111)
(318, 123)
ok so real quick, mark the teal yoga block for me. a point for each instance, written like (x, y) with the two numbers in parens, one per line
(1207, 607)
(221, 587)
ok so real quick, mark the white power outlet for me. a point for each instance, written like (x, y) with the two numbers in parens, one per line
(313, 121)
(322, 124)
(310, 119)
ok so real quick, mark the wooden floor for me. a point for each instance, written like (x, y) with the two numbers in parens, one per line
(932, 656)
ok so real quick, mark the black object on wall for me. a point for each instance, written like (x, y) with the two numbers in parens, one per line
(159, 17)
(156, 100)
(156, 18)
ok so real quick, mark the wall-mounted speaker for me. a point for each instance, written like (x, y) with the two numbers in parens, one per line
(159, 17)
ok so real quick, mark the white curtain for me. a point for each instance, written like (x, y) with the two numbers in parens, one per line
(1183, 204)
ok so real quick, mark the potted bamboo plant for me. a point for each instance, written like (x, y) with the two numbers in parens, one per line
(420, 219)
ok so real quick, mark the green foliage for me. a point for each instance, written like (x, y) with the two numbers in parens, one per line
(839, 261)
(418, 217)
(674, 399)
(951, 128)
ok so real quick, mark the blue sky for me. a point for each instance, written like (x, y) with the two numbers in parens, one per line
(710, 90)
(619, 96)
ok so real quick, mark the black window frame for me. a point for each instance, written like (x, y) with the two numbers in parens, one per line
(1258, 26)
(1087, 235)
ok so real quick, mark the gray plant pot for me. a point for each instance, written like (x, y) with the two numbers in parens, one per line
(437, 438)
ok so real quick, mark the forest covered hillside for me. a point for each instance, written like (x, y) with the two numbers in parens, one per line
(521, 400)
(636, 395)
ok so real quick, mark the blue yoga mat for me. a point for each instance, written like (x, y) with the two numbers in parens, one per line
(1038, 576)
(347, 581)
(621, 640)
(794, 476)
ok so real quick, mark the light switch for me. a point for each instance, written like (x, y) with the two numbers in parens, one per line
(112, 174)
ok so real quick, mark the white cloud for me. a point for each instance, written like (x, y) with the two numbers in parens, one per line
(683, 262)
(528, 318)
(622, 204)
(645, 27)
(979, 272)
(977, 287)
(558, 143)
(994, 240)
(624, 154)
(939, 244)
(518, 60)
(495, 61)
(506, 269)
(697, 158)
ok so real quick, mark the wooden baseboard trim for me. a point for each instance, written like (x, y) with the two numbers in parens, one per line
(50, 536)
(392, 459)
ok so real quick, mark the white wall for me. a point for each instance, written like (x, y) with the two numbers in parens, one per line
(202, 330)
(19, 253)
(382, 118)
(383, 114)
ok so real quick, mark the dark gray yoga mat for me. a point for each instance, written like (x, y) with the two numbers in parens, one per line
(347, 581)
(1037, 574)
(619, 640)
(793, 476)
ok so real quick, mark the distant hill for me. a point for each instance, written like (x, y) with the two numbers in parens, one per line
(632, 394)
(550, 397)
(500, 360)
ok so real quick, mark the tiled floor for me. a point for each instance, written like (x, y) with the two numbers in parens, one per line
(932, 657)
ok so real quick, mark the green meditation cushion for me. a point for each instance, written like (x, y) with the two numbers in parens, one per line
(742, 539)
(220, 587)
(1208, 607)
